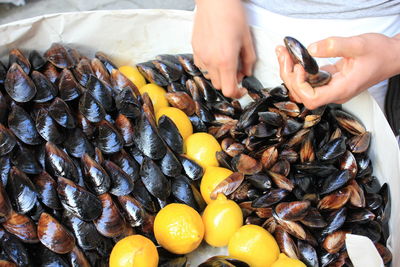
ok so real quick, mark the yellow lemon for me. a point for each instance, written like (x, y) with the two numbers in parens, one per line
(156, 94)
(285, 261)
(254, 245)
(211, 178)
(221, 219)
(202, 147)
(180, 119)
(133, 74)
(178, 228)
(134, 251)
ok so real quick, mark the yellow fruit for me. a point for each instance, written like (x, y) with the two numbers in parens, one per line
(180, 119)
(178, 228)
(211, 178)
(253, 245)
(202, 147)
(133, 74)
(134, 251)
(285, 261)
(156, 94)
(221, 219)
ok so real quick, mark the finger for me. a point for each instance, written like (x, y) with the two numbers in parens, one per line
(248, 56)
(338, 47)
(239, 76)
(229, 84)
(331, 68)
(202, 67)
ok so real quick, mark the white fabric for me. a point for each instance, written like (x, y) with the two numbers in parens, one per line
(308, 31)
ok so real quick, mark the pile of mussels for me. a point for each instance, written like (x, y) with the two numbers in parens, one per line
(83, 162)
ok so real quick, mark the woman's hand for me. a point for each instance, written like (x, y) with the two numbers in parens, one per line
(222, 44)
(365, 60)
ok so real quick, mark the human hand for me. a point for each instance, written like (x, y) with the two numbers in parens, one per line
(222, 44)
(365, 60)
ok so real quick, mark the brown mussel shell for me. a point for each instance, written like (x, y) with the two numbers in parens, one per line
(61, 113)
(22, 227)
(68, 87)
(228, 185)
(58, 163)
(292, 211)
(95, 177)
(21, 191)
(46, 188)
(110, 223)
(54, 235)
(59, 56)
(19, 85)
(46, 90)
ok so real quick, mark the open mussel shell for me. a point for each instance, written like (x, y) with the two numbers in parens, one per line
(110, 223)
(59, 56)
(78, 200)
(170, 134)
(7, 140)
(154, 180)
(19, 85)
(147, 139)
(46, 90)
(23, 126)
(22, 227)
(48, 128)
(90, 108)
(54, 235)
(108, 139)
(58, 163)
(21, 191)
(95, 177)
(68, 87)
(60, 112)
(46, 188)
(121, 183)
(14, 249)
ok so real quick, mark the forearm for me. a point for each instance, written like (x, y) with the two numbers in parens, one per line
(396, 53)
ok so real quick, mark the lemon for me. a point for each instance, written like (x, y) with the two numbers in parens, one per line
(285, 261)
(211, 178)
(156, 94)
(180, 119)
(133, 74)
(178, 228)
(202, 147)
(221, 219)
(253, 245)
(134, 251)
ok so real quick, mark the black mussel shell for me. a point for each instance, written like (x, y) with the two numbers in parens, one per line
(58, 163)
(170, 71)
(126, 128)
(170, 134)
(271, 118)
(16, 56)
(170, 164)
(272, 197)
(25, 159)
(43, 256)
(126, 163)
(119, 82)
(3, 108)
(46, 90)
(187, 63)
(198, 124)
(316, 168)
(208, 92)
(127, 103)
(61, 113)
(252, 84)
(121, 183)
(90, 108)
(3, 73)
(77, 258)
(68, 87)
(314, 219)
(59, 56)
(21, 191)
(223, 261)
(5, 204)
(15, 250)
(143, 196)
(48, 128)
(5, 167)
(110, 223)
(36, 59)
(82, 71)
(332, 150)
(7, 140)
(259, 181)
(250, 114)
(23, 126)
(307, 253)
(108, 139)
(335, 220)
(147, 139)
(85, 232)
(300, 55)
(47, 190)
(154, 180)
(348, 122)
(51, 72)
(182, 191)
(192, 169)
(95, 177)
(335, 181)
(108, 64)
(133, 209)
(78, 200)
(100, 91)
(78, 144)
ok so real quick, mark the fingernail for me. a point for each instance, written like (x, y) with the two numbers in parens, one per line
(312, 49)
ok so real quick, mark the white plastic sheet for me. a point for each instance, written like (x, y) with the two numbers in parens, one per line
(132, 36)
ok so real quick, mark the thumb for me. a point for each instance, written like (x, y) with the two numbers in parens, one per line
(337, 47)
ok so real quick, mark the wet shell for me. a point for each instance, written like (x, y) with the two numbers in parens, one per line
(170, 134)
(193, 170)
(101, 92)
(60, 112)
(77, 200)
(286, 243)
(292, 211)
(182, 101)
(47, 190)
(228, 185)
(25, 159)
(121, 182)
(7, 140)
(335, 200)
(46, 90)
(22, 227)
(95, 177)
(182, 192)
(90, 108)
(119, 81)
(18, 84)
(78, 144)
(110, 223)
(68, 87)
(348, 122)
(272, 197)
(108, 140)
(48, 128)
(126, 163)
(133, 209)
(53, 235)
(23, 126)
(59, 56)
(16, 56)
(58, 163)
(154, 180)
